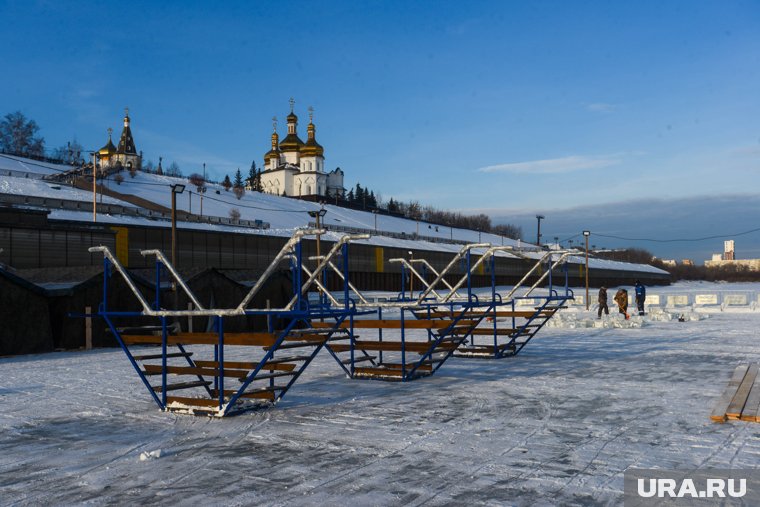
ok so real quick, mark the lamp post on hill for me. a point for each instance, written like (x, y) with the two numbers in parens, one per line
(95, 157)
(538, 230)
(586, 234)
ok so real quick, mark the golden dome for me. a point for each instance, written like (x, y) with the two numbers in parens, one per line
(312, 148)
(109, 149)
(291, 143)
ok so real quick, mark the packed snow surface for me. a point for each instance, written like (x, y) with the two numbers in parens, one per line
(558, 424)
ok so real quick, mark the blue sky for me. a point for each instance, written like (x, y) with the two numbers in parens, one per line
(511, 108)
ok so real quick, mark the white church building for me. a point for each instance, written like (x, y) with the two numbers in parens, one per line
(294, 168)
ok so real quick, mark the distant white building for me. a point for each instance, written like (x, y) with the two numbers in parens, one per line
(294, 168)
(728, 258)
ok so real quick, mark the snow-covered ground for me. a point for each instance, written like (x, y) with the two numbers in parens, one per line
(556, 425)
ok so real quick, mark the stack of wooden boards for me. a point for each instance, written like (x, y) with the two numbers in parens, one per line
(741, 398)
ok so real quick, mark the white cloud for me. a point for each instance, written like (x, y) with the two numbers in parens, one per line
(553, 165)
(601, 107)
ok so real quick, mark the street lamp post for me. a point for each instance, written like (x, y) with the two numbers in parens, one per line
(374, 212)
(586, 234)
(202, 188)
(176, 189)
(538, 231)
(95, 157)
(317, 215)
(411, 276)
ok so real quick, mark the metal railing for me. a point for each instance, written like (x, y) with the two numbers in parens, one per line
(119, 209)
(241, 309)
(389, 234)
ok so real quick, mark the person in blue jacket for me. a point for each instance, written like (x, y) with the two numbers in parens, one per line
(641, 295)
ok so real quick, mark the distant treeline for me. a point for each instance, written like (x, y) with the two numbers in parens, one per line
(728, 273)
(413, 210)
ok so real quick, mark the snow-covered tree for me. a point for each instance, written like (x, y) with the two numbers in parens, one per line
(238, 179)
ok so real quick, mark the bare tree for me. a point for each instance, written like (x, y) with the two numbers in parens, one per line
(118, 178)
(198, 180)
(239, 192)
(235, 214)
(174, 170)
(70, 153)
(18, 136)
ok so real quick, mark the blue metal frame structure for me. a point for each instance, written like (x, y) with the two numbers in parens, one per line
(212, 391)
(431, 329)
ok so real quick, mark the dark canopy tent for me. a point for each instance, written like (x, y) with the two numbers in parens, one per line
(70, 291)
(24, 316)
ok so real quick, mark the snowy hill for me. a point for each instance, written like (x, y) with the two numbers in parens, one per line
(20, 176)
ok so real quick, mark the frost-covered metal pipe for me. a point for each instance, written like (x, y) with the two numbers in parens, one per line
(321, 266)
(551, 268)
(406, 263)
(115, 262)
(431, 268)
(450, 265)
(174, 273)
(486, 255)
(276, 262)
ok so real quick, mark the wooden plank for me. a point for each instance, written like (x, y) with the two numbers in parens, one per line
(484, 331)
(183, 385)
(359, 359)
(247, 365)
(250, 339)
(396, 324)
(264, 393)
(147, 357)
(242, 339)
(734, 410)
(155, 369)
(409, 366)
(392, 346)
(378, 372)
(525, 314)
(719, 411)
(750, 412)
(193, 402)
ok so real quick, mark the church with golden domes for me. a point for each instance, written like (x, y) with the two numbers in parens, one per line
(295, 168)
(125, 154)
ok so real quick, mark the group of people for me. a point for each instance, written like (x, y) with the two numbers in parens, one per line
(621, 298)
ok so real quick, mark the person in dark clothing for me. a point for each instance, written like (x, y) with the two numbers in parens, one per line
(641, 295)
(621, 298)
(603, 301)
